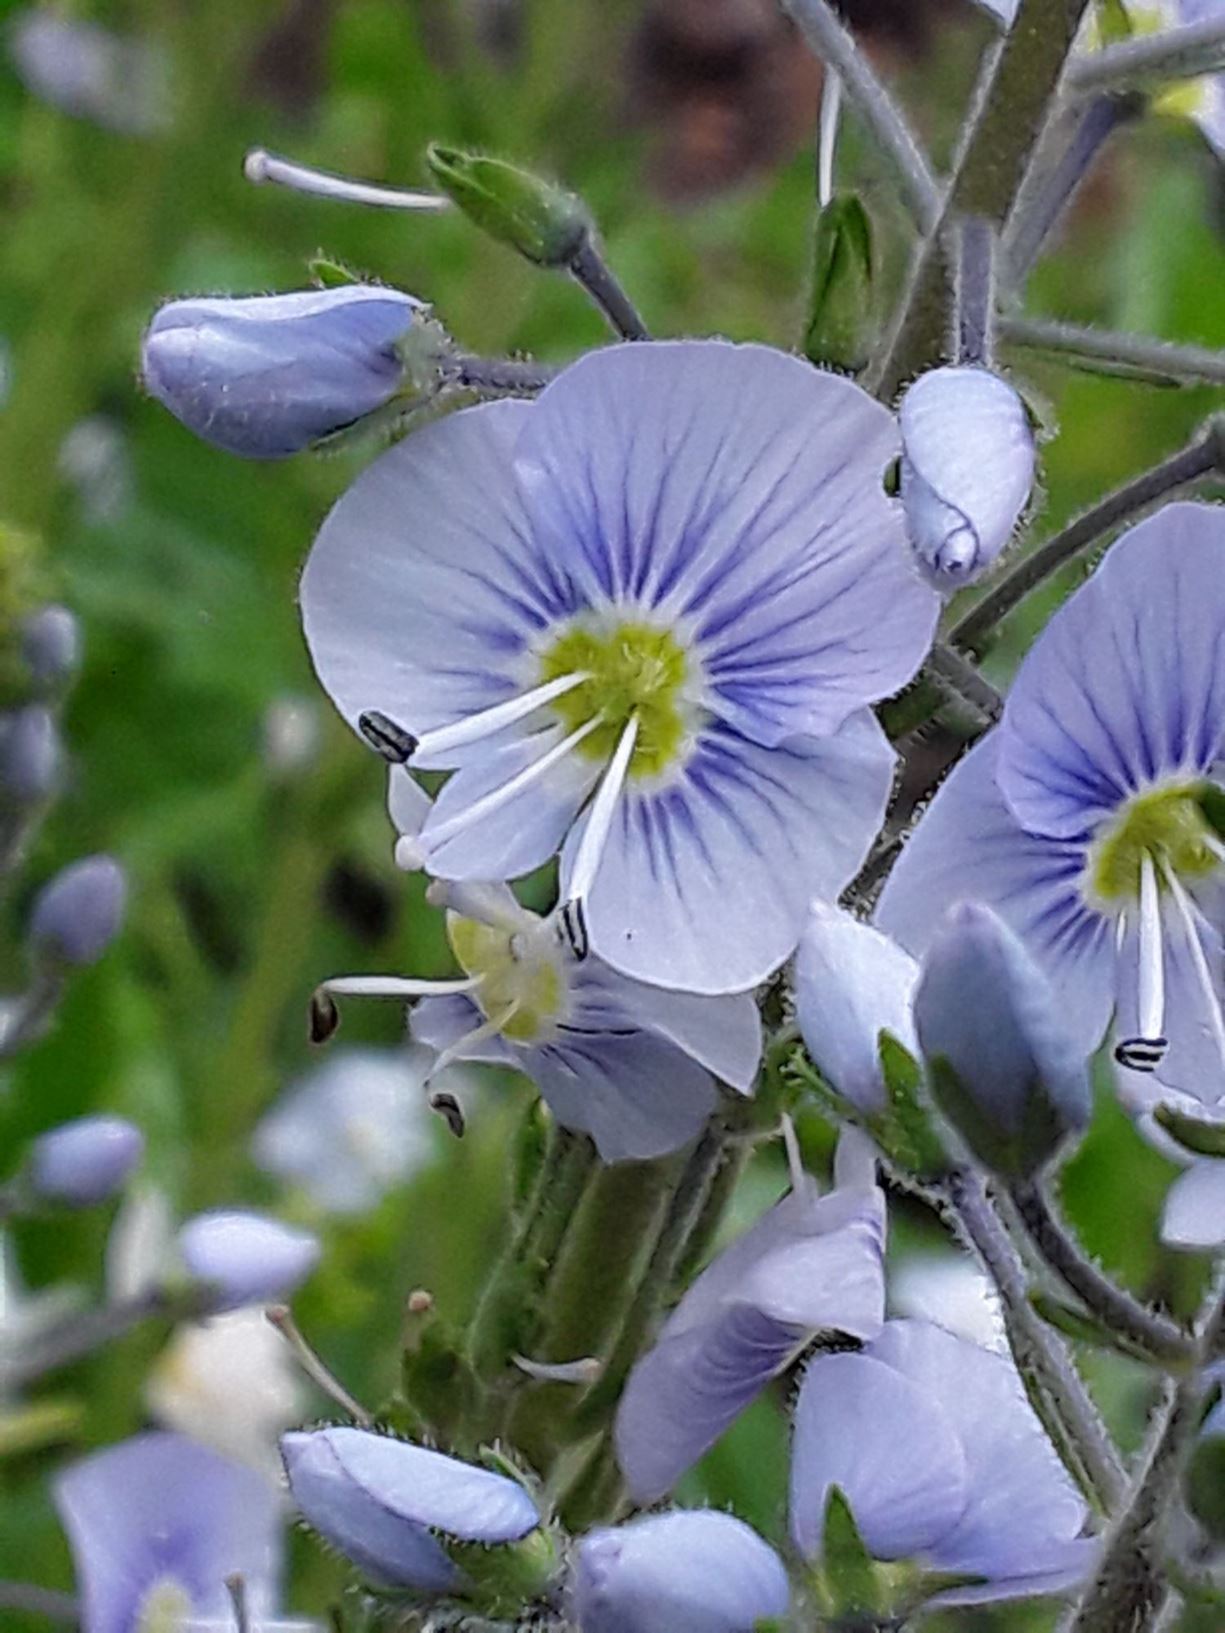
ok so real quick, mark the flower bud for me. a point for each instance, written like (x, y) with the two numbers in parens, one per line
(268, 375)
(77, 916)
(542, 221)
(696, 1571)
(391, 1507)
(966, 472)
(51, 647)
(84, 1162)
(1000, 1062)
(840, 307)
(246, 1258)
(31, 756)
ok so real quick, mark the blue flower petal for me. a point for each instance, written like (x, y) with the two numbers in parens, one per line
(1194, 1213)
(706, 879)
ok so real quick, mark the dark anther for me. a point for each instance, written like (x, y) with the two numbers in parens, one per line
(448, 1108)
(385, 737)
(1141, 1054)
(323, 1017)
(574, 924)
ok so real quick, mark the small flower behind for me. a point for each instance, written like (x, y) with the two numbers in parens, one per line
(83, 1162)
(641, 620)
(932, 1443)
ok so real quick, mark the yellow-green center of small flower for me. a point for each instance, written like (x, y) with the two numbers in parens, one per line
(1167, 825)
(522, 987)
(165, 1608)
(634, 670)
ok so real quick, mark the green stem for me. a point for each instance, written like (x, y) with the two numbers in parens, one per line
(1159, 362)
(592, 271)
(1016, 93)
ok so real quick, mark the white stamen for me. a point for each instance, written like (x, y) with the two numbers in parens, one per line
(260, 166)
(489, 1028)
(1186, 912)
(791, 1144)
(584, 1371)
(433, 837)
(1152, 956)
(394, 986)
(831, 107)
(488, 904)
(600, 815)
(475, 727)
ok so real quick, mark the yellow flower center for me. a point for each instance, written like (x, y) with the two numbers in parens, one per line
(634, 670)
(1168, 825)
(522, 986)
(165, 1608)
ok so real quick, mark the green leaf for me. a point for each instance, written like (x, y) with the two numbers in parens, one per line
(848, 1573)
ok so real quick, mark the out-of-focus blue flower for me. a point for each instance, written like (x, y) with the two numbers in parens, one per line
(246, 1257)
(86, 70)
(812, 1264)
(352, 1128)
(632, 1065)
(852, 984)
(156, 1524)
(31, 756)
(690, 1571)
(85, 1161)
(265, 376)
(1001, 1062)
(76, 917)
(934, 1445)
(967, 470)
(1086, 819)
(641, 620)
(51, 646)
(385, 1503)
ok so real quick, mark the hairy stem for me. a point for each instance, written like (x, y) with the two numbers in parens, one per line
(1160, 362)
(952, 673)
(590, 269)
(1175, 53)
(1042, 1358)
(975, 291)
(1162, 1338)
(1013, 100)
(1198, 459)
(82, 1333)
(832, 41)
(511, 375)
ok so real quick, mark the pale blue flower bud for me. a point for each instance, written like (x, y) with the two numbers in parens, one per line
(1000, 1060)
(246, 1257)
(31, 756)
(966, 473)
(77, 916)
(685, 1572)
(386, 1504)
(268, 375)
(51, 646)
(84, 1162)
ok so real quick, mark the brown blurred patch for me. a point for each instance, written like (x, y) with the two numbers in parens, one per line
(728, 88)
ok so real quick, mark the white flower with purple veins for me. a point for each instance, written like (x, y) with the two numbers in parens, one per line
(632, 1065)
(1089, 819)
(641, 620)
(813, 1264)
(933, 1444)
(157, 1524)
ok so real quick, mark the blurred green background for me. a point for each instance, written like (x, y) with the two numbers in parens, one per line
(687, 127)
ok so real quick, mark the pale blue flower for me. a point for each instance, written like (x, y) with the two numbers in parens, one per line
(1085, 818)
(939, 1454)
(690, 1571)
(632, 1065)
(641, 620)
(31, 756)
(389, 1506)
(246, 1258)
(84, 69)
(85, 1161)
(51, 646)
(265, 376)
(811, 1265)
(156, 1525)
(79, 913)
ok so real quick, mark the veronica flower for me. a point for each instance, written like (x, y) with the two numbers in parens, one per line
(936, 1449)
(157, 1524)
(1086, 819)
(640, 619)
(693, 1571)
(631, 1065)
(811, 1265)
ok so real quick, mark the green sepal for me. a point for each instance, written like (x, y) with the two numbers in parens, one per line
(1206, 1139)
(839, 330)
(1011, 1153)
(544, 222)
(439, 1387)
(1077, 1324)
(505, 1579)
(849, 1582)
(329, 274)
(1205, 1484)
(906, 1131)
(531, 1141)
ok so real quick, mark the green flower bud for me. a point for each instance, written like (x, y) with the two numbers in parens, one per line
(546, 224)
